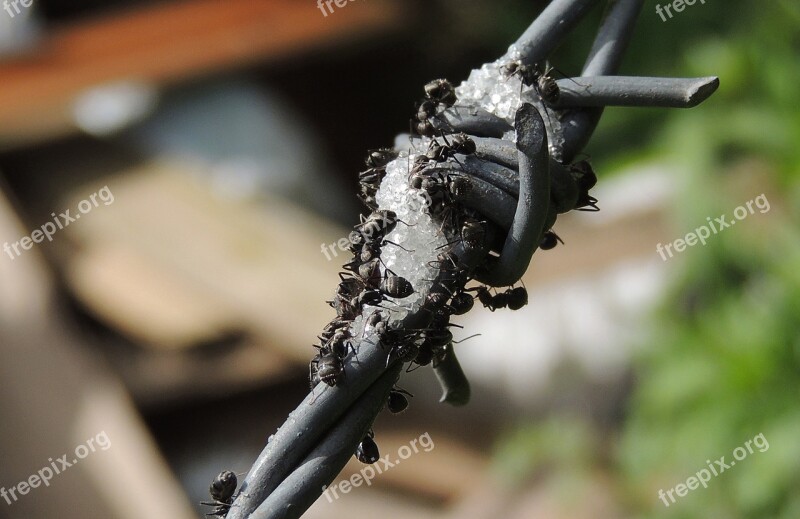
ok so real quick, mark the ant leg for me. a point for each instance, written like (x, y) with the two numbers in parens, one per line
(384, 242)
(462, 340)
(411, 369)
(353, 349)
(317, 396)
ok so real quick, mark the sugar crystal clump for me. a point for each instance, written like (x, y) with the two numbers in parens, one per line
(415, 231)
(490, 89)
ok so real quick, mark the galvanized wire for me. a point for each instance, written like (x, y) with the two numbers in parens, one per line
(519, 188)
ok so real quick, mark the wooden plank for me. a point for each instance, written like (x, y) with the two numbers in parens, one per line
(170, 264)
(163, 44)
(55, 395)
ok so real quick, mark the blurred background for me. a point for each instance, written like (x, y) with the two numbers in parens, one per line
(176, 320)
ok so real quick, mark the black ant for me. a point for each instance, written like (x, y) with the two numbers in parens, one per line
(533, 76)
(372, 250)
(462, 143)
(397, 402)
(377, 225)
(461, 303)
(372, 292)
(424, 355)
(437, 92)
(370, 272)
(366, 193)
(377, 323)
(425, 112)
(492, 302)
(437, 153)
(326, 367)
(339, 344)
(345, 309)
(442, 186)
(517, 297)
(222, 489)
(438, 338)
(473, 233)
(346, 292)
(367, 450)
(370, 179)
(396, 287)
(331, 328)
(584, 175)
(349, 286)
(401, 343)
(379, 158)
(444, 258)
(367, 267)
(313, 376)
(433, 342)
(549, 240)
(441, 91)
(436, 299)
(513, 298)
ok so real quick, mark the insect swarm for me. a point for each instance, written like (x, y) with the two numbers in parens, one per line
(484, 229)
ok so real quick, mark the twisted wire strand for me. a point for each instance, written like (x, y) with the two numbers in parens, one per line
(513, 186)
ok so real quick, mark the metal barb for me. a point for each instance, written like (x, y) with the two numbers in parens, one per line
(454, 383)
(533, 203)
(662, 92)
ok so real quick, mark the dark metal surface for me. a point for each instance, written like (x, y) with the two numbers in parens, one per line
(471, 120)
(664, 92)
(520, 189)
(551, 28)
(604, 59)
(303, 486)
(532, 206)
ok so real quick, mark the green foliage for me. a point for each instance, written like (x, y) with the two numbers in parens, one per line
(723, 361)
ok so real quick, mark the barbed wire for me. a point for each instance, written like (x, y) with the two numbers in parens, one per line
(519, 185)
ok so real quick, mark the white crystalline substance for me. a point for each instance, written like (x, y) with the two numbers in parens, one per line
(489, 89)
(415, 231)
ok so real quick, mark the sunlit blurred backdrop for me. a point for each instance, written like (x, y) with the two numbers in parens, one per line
(212, 150)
